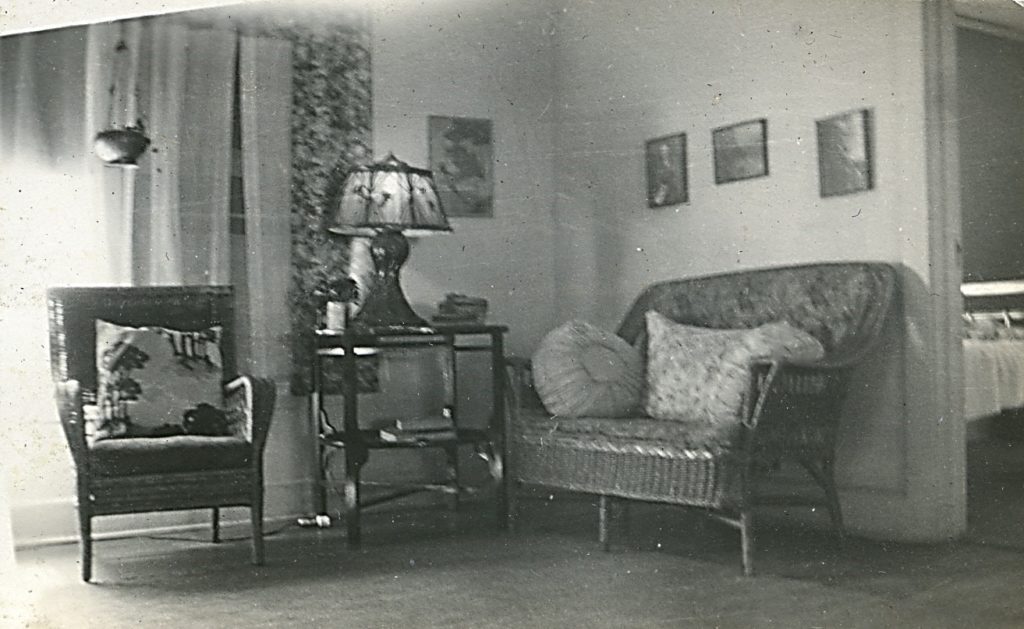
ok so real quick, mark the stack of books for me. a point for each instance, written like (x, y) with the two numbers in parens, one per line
(458, 308)
(423, 429)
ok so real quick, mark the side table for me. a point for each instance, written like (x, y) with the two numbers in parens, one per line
(357, 442)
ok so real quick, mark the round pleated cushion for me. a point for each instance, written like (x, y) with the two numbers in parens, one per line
(580, 370)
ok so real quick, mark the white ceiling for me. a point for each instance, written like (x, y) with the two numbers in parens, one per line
(31, 15)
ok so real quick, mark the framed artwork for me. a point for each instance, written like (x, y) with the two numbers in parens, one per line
(666, 171)
(462, 160)
(844, 153)
(741, 151)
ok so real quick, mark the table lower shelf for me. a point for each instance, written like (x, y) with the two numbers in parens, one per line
(371, 439)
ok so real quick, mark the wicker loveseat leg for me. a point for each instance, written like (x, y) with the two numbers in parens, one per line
(835, 510)
(747, 541)
(823, 473)
(603, 521)
(215, 525)
(512, 489)
(613, 514)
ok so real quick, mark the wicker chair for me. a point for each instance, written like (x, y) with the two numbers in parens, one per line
(118, 476)
(790, 414)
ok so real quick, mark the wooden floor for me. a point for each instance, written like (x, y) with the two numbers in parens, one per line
(428, 567)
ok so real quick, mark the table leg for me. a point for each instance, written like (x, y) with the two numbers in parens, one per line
(355, 452)
(352, 501)
(499, 427)
(452, 464)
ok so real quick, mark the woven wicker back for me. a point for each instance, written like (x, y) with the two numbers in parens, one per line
(843, 304)
(73, 313)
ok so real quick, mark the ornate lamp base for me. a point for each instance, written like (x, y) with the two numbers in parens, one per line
(386, 306)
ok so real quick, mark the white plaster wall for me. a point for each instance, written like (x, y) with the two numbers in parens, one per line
(485, 59)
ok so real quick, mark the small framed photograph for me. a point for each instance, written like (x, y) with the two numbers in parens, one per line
(666, 171)
(741, 151)
(844, 153)
(462, 161)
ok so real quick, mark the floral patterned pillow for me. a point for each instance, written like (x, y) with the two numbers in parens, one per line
(148, 378)
(580, 370)
(701, 375)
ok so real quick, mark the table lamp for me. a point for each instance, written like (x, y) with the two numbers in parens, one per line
(387, 200)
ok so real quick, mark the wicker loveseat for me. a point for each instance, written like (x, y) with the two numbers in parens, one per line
(790, 413)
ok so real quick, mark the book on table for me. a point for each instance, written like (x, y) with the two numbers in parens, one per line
(422, 428)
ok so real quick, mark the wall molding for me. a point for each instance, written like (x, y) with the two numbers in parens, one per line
(989, 28)
(56, 519)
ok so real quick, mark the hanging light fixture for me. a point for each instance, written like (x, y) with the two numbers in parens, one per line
(123, 145)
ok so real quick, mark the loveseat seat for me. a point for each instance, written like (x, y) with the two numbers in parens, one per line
(788, 411)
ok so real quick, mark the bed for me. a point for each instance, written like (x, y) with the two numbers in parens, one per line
(993, 348)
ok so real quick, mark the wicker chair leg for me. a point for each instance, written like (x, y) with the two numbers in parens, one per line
(85, 534)
(747, 541)
(604, 515)
(215, 525)
(256, 516)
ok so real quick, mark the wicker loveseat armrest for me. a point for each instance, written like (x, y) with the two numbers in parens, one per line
(797, 406)
(249, 401)
(519, 371)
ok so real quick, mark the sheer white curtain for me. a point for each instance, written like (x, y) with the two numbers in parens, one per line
(182, 197)
(265, 75)
(65, 219)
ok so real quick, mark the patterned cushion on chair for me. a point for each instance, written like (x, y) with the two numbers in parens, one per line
(582, 370)
(149, 378)
(701, 375)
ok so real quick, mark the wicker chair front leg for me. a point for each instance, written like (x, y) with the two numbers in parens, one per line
(85, 533)
(253, 398)
(256, 518)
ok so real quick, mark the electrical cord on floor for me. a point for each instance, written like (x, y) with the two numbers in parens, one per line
(242, 538)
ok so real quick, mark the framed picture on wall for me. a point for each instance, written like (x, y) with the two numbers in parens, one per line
(844, 153)
(741, 151)
(462, 160)
(666, 171)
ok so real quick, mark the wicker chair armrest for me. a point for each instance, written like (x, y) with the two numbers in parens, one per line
(250, 405)
(72, 419)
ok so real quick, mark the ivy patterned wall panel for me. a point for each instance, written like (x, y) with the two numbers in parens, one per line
(331, 122)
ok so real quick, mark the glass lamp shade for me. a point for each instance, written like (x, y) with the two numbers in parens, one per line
(388, 200)
(388, 195)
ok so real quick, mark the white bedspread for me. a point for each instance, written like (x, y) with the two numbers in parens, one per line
(993, 377)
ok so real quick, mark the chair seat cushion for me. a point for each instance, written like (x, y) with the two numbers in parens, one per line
(143, 455)
(678, 434)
